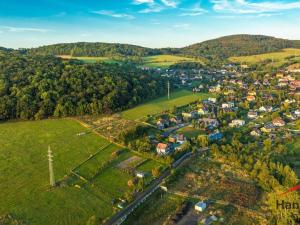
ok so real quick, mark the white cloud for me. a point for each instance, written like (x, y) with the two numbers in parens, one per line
(23, 29)
(113, 14)
(170, 3)
(194, 11)
(248, 7)
(184, 26)
(138, 2)
(152, 8)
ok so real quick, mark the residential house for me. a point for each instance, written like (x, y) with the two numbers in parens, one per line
(162, 123)
(267, 128)
(255, 133)
(213, 100)
(190, 115)
(252, 93)
(278, 122)
(237, 123)
(208, 122)
(163, 148)
(252, 114)
(203, 111)
(250, 98)
(181, 138)
(176, 119)
(227, 105)
(140, 174)
(265, 109)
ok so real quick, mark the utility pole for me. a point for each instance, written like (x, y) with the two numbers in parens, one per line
(51, 173)
(168, 89)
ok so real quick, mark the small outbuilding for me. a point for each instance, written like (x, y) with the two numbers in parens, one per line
(200, 206)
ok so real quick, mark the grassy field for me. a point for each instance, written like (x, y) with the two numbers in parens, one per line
(88, 59)
(164, 61)
(189, 132)
(177, 98)
(24, 172)
(279, 58)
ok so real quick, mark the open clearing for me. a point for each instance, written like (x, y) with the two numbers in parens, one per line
(24, 172)
(164, 61)
(89, 59)
(161, 61)
(178, 98)
(85, 165)
(279, 58)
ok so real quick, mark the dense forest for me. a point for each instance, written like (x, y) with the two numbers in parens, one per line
(35, 87)
(220, 48)
(238, 45)
(94, 49)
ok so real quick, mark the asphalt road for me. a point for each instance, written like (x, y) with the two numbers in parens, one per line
(119, 217)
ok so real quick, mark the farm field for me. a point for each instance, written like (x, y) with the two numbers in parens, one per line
(161, 61)
(91, 172)
(24, 172)
(164, 61)
(88, 59)
(178, 98)
(279, 58)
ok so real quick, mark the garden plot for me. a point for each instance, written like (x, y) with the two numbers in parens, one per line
(111, 126)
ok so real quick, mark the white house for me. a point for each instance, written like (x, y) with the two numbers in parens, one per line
(200, 206)
(140, 174)
(213, 100)
(237, 123)
(227, 105)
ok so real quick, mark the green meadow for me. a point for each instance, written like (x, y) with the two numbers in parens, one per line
(178, 98)
(24, 175)
(161, 61)
(279, 58)
(164, 61)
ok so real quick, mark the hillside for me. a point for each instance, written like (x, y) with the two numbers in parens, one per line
(238, 45)
(224, 47)
(94, 49)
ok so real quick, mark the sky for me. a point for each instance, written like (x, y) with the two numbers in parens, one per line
(149, 23)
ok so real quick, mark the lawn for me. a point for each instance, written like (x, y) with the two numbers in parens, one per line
(178, 98)
(189, 132)
(279, 58)
(24, 172)
(164, 61)
(89, 59)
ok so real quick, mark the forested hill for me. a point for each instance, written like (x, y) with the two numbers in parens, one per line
(94, 49)
(224, 47)
(35, 87)
(238, 45)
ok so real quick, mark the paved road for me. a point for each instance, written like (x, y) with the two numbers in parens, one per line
(119, 217)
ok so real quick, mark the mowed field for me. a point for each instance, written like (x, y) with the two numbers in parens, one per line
(91, 171)
(164, 61)
(24, 175)
(88, 59)
(161, 61)
(178, 98)
(279, 58)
